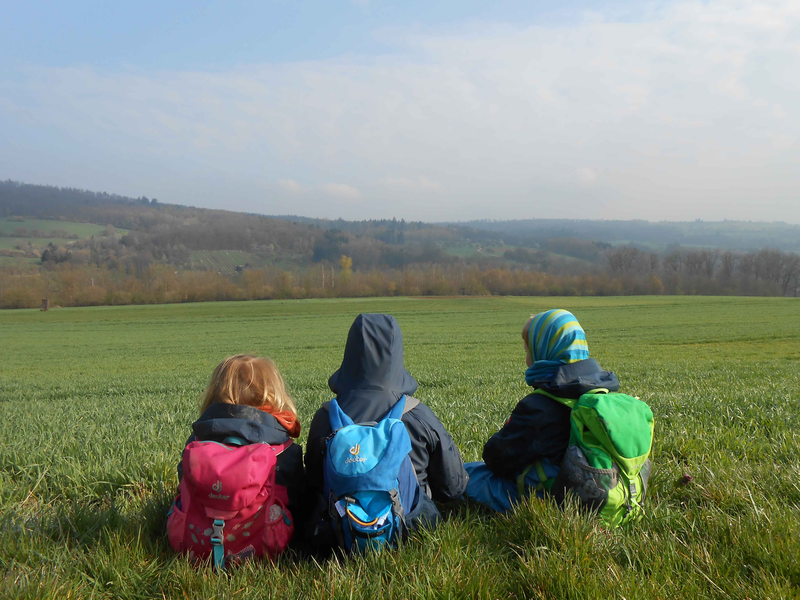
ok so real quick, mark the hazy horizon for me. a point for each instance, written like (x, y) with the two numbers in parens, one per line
(291, 216)
(668, 111)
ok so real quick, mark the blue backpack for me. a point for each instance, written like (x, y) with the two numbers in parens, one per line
(369, 480)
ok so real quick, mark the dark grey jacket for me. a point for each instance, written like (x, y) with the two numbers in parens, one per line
(370, 381)
(539, 426)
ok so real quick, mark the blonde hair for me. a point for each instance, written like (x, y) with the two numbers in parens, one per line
(249, 380)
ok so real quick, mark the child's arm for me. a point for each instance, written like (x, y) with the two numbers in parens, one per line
(180, 462)
(319, 429)
(291, 475)
(506, 451)
(538, 428)
(447, 478)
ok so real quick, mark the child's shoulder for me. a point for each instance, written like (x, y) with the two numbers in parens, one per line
(539, 400)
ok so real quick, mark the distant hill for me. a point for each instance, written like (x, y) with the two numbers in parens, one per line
(80, 248)
(188, 237)
(729, 235)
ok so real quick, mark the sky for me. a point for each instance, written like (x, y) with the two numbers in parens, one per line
(434, 111)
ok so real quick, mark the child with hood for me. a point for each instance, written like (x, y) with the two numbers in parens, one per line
(525, 455)
(246, 402)
(368, 384)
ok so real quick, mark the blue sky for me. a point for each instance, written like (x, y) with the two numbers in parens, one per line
(421, 110)
(188, 35)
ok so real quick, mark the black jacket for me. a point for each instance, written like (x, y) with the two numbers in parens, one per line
(539, 426)
(369, 382)
(220, 421)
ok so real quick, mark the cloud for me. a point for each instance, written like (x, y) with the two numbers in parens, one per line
(420, 183)
(686, 110)
(587, 176)
(290, 185)
(340, 190)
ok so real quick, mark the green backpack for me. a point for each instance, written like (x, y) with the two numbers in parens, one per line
(607, 463)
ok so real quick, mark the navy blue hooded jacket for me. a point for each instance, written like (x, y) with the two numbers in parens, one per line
(539, 426)
(220, 421)
(369, 382)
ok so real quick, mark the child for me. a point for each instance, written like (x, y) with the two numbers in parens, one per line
(245, 405)
(368, 384)
(526, 453)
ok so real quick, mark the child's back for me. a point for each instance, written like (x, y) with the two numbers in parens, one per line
(243, 440)
(369, 383)
(525, 455)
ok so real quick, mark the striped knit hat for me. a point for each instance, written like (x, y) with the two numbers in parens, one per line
(555, 338)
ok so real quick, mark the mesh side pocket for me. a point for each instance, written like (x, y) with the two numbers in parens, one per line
(176, 526)
(644, 473)
(278, 529)
(588, 484)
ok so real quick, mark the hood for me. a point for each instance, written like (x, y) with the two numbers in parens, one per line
(372, 377)
(555, 338)
(220, 421)
(574, 379)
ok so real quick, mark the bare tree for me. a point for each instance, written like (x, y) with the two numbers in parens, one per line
(727, 264)
(693, 261)
(653, 261)
(709, 259)
(790, 274)
(624, 260)
(674, 261)
(771, 262)
(747, 265)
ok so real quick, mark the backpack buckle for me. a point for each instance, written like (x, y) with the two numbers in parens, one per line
(216, 536)
(216, 544)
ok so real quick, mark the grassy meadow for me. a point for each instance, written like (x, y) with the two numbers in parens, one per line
(96, 404)
(45, 229)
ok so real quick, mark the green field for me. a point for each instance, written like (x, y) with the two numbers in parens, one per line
(97, 403)
(82, 230)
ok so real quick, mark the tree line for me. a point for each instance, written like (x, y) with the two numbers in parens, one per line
(767, 272)
(151, 259)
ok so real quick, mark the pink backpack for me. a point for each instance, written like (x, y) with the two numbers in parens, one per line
(228, 504)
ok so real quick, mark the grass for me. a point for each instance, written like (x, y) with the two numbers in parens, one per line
(97, 403)
(82, 230)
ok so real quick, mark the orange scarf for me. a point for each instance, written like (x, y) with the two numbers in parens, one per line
(286, 418)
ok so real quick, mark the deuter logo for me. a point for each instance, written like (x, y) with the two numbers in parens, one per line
(217, 487)
(356, 459)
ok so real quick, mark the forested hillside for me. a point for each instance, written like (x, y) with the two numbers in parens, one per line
(80, 247)
(728, 235)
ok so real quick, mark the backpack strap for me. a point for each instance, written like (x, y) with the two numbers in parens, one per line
(217, 545)
(337, 520)
(542, 485)
(280, 449)
(398, 410)
(410, 404)
(397, 508)
(568, 402)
